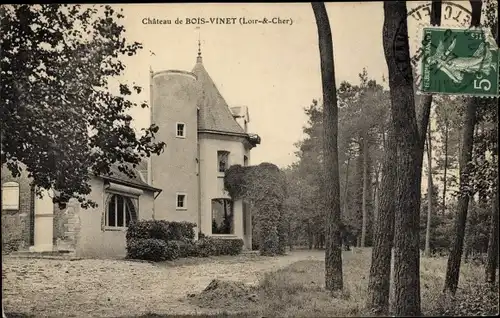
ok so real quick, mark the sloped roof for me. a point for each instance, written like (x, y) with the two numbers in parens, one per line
(214, 111)
(123, 178)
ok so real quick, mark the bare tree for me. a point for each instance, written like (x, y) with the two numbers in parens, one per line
(455, 257)
(333, 254)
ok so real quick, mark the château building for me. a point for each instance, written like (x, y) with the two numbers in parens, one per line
(203, 136)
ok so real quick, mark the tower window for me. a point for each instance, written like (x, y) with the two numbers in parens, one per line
(222, 160)
(181, 201)
(181, 130)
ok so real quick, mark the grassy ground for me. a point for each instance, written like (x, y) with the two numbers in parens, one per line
(298, 291)
(117, 288)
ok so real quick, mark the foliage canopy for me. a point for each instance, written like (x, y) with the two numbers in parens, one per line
(60, 118)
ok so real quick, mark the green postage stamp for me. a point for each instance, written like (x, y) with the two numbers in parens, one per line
(459, 62)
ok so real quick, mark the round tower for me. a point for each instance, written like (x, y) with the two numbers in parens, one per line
(174, 97)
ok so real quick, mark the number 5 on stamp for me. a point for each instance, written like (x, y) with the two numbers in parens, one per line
(459, 62)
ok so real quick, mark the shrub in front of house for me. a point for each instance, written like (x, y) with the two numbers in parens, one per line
(159, 240)
(147, 249)
(162, 230)
(152, 250)
(147, 229)
(187, 249)
(205, 247)
(209, 246)
(180, 231)
(172, 250)
(228, 246)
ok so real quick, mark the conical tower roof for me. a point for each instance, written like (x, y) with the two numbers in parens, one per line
(214, 112)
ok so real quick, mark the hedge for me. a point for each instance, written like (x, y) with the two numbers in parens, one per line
(162, 230)
(187, 249)
(158, 240)
(228, 246)
(266, 187)
(209, 246)
(152, 250)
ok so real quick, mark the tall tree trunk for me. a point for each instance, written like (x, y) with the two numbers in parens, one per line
(492, 258)
(455, 257)
(346, 186)
(364, 208)
(381, 271)
(333, 254)
(469, 233)
(379, 281)
(376, 197)
(429, 194)
(409, 161)
(446, 132)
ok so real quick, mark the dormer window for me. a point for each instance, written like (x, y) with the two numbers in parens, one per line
(181, 130)
(223, 160)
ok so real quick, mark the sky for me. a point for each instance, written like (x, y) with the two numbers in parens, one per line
(274, 69)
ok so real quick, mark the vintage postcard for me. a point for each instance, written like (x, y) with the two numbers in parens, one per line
(334, 159)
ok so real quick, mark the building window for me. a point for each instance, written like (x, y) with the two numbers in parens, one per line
(222, 160)
(120, 211)
(10, 196)
(222, 216)
(181, 130)
(245, 161)
(181, 201)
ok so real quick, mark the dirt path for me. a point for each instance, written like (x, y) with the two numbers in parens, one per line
(111, 288)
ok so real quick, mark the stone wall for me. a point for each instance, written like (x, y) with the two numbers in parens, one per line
(67, 226)
(16, 224)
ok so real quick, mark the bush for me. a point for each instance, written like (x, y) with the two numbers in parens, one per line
(206, 247)
(209, 246)
(147, 249)
(477, 299)
(158, 240)
(152, 250)
(162, 230)
(180, 231)
(187, 249)
(172, 250)
(228, 246)
(147, 229)
(265, 186)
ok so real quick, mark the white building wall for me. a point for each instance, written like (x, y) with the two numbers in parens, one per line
(212, 182)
